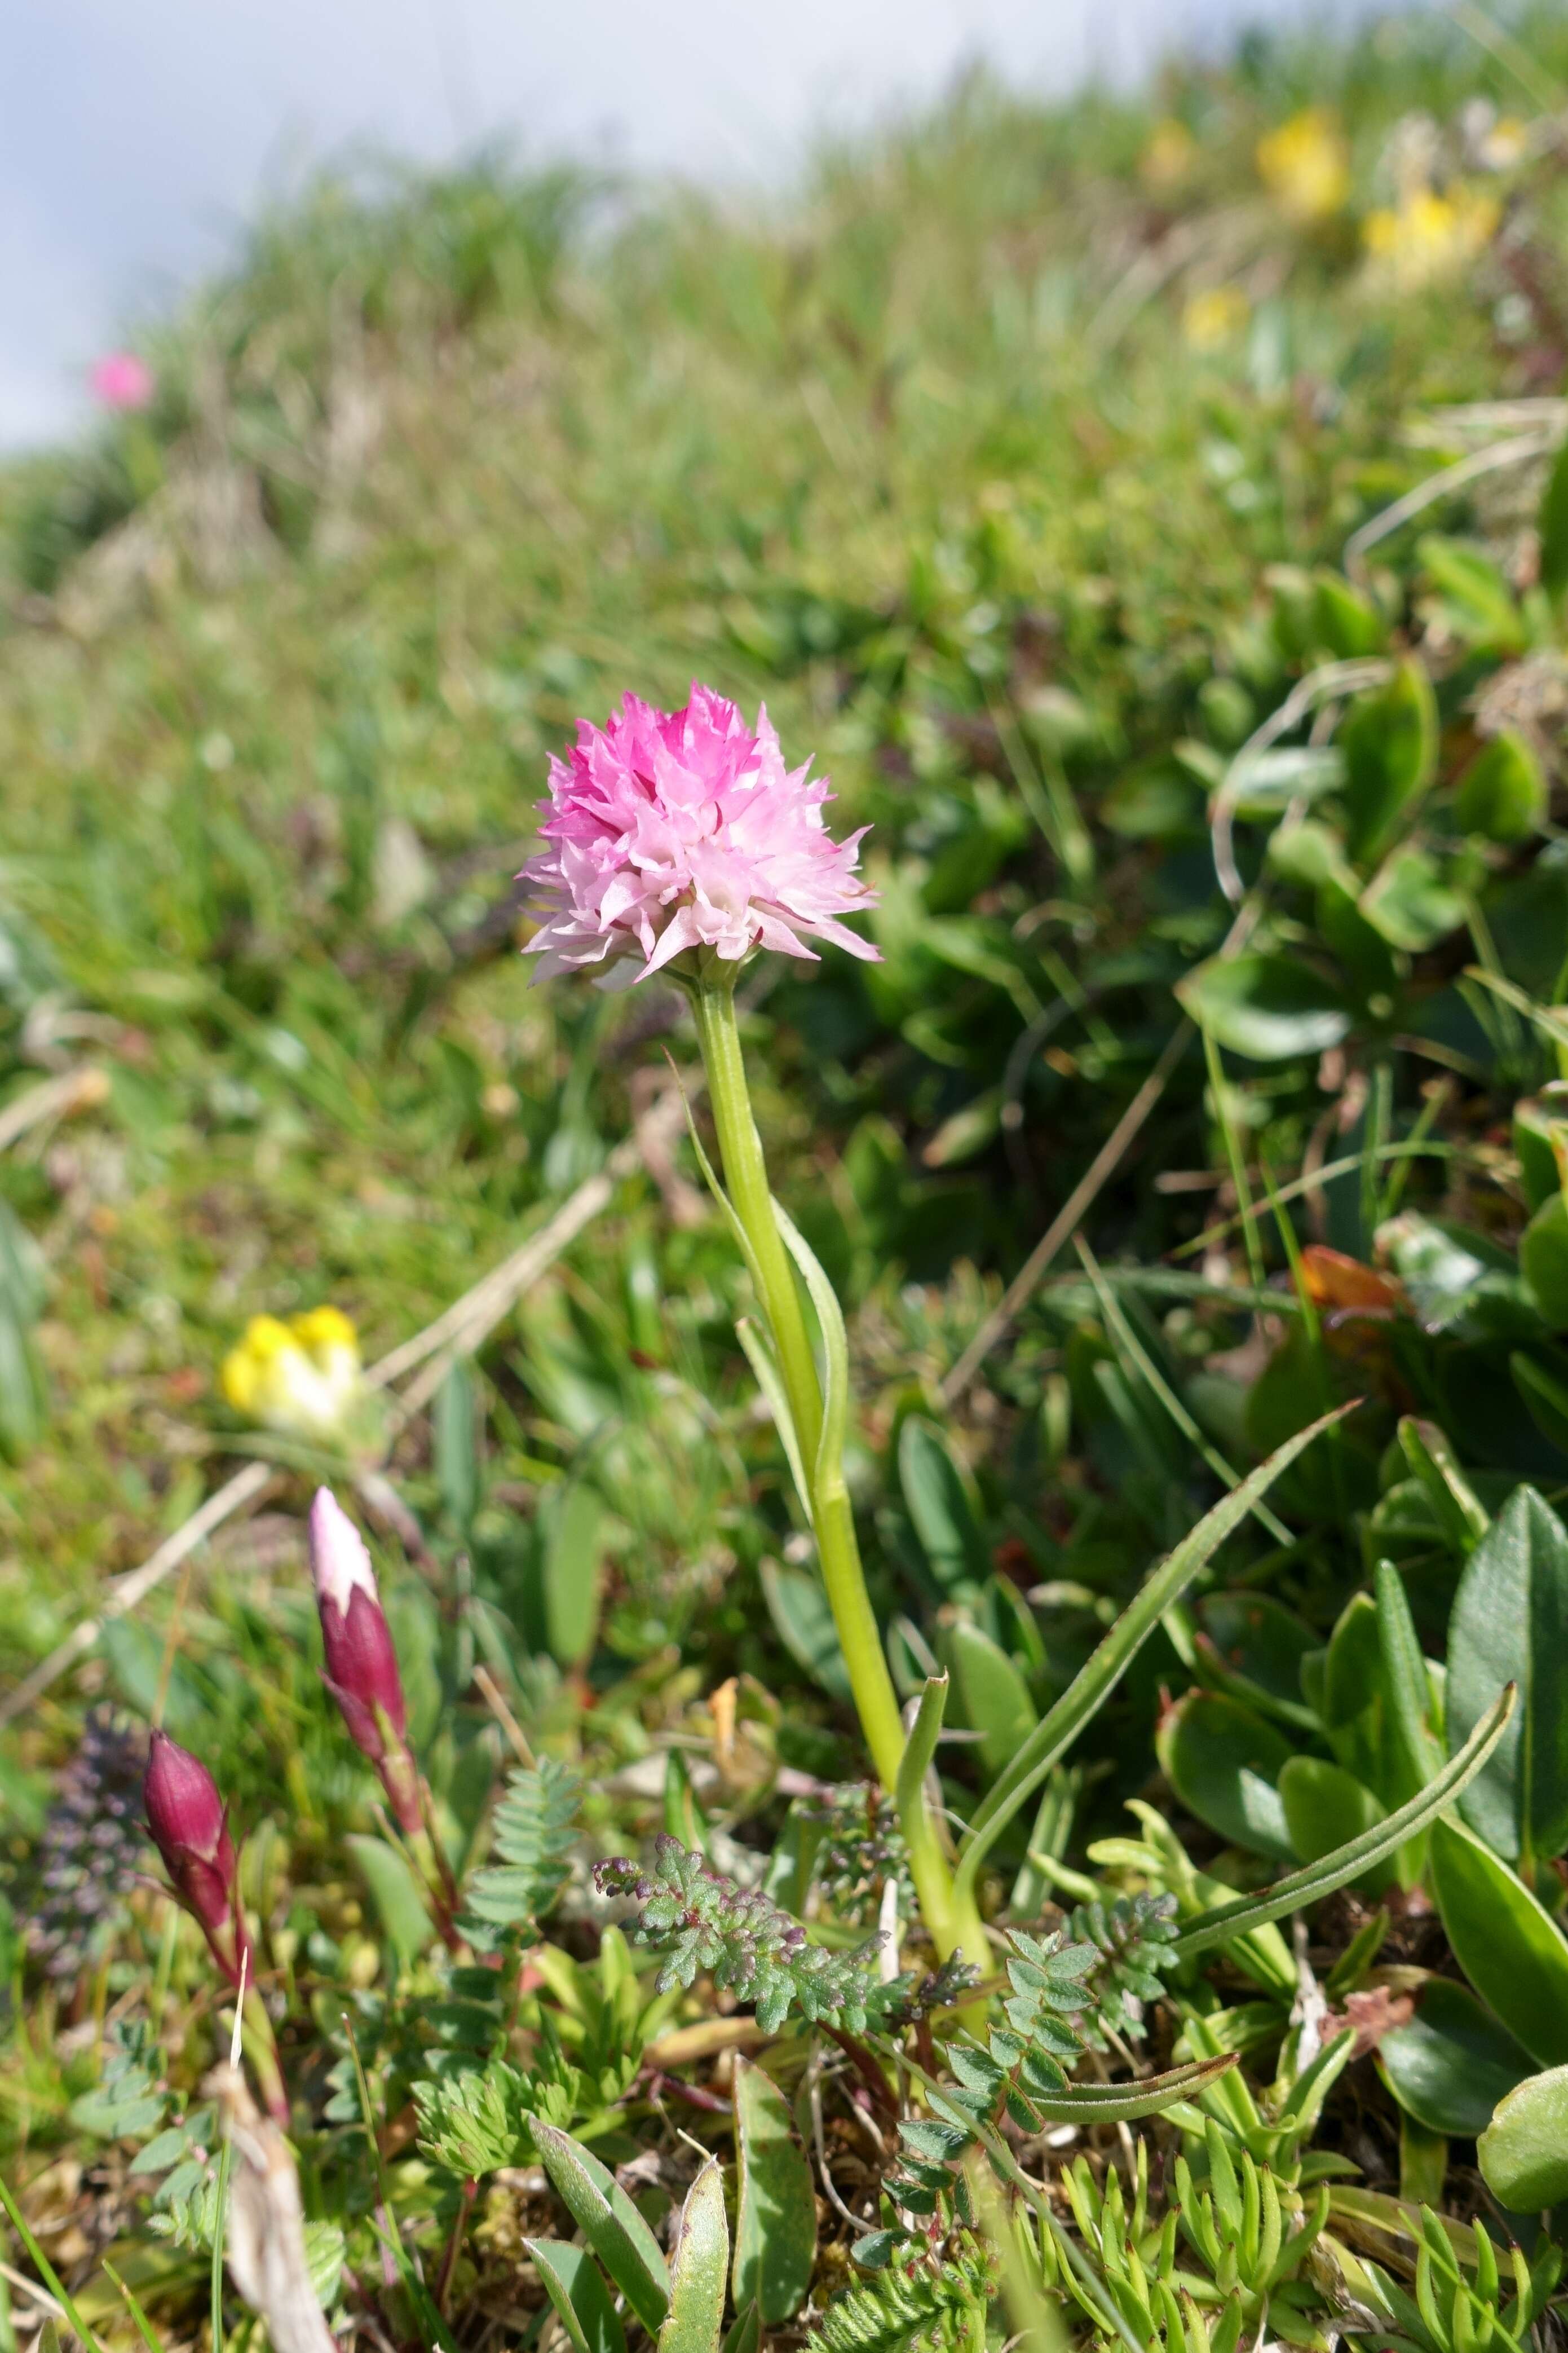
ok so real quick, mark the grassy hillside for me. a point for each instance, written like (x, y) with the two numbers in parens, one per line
(1011, 459)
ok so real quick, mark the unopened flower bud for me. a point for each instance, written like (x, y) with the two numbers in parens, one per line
(189, 1823)
(362, 1662)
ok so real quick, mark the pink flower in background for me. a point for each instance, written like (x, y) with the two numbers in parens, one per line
(120, 380)
(670, 830)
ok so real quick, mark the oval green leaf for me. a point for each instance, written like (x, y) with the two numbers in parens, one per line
(1224, 1763)
(989, 1695)
(1267, 1008)
(1325, 1807)
(1502, 793)
(1509, 1624)
(576, 2286)
(1453, 2063)
(610, 2222)
(1508, 1945)
(1523, 2152)
(775, 2220)
(1390, 743)
(1544, 1262)
(698, 2268)
(938, 1500)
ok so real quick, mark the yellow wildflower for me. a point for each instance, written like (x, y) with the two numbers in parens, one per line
(1307, 164)
(304, 1377)
(1428, 238)
(1168, 157)
(1215, 318)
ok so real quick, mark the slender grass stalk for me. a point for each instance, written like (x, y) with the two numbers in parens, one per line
(47, 2271)
(954, 1926)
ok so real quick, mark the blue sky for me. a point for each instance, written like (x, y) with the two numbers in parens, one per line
(135, 139)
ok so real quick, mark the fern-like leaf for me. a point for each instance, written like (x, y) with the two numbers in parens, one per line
(903, 2307)
(708, 1924)
(535, 1829)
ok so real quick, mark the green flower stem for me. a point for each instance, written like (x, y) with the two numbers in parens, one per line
(833, 1521)
(261, 2050)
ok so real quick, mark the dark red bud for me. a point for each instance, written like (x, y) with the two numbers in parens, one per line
(190, 1829)
(361, 1671)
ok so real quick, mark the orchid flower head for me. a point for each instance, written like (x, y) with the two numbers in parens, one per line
(669, 832)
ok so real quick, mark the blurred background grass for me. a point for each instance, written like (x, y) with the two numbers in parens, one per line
(969, 457)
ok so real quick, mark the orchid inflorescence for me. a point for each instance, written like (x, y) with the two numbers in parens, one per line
(670, 832)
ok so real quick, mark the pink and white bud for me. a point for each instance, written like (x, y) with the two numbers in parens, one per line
(362, 1662)
(189, 1823)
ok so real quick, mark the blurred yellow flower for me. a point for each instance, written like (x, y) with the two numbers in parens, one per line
(304, 1377)
(1215, 317)
(1428, 237)
(1170, 155)
(1307, 164)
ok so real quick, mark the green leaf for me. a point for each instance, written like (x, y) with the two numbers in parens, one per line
(1345, 620)
(1540, 1133)
(1545, 1397)
(1454, 1505)
(610, 2224)
(1508, 1945)
(1523, 2152)
(575, 2287)
(763, 1357)
(1267, 1008)
(453, 1431)
(572, 1569)
(1502, 794)
(405, 1915)
(1224, 1763)
(1543, 1260)
(744, 2334)
(1390, 743)
(1325, 1807)
(828, 1467)
(1105, 2104)
(938, 1499)
(803, 1620)
(698, 2268)
(1509, 1624)
(1479, 605)
(1453, 2063)
(1349, 1861)
(1104, 1669)
(992, 1696)
(1409, 904)
(1553, 525)
(775, 2220)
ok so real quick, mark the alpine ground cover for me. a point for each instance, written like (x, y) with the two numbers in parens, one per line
(879, 1657)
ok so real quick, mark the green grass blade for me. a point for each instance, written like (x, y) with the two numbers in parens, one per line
(144, 2328)
(1061, 1726)
(47, 2271)
(1348, 1861)
(919, 1750)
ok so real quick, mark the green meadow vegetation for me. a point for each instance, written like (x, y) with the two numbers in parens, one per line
(982, 1758)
